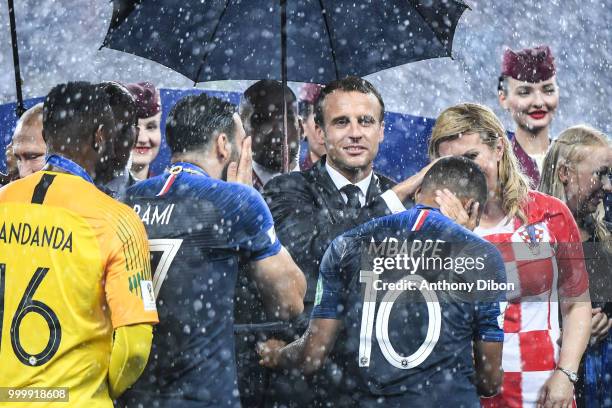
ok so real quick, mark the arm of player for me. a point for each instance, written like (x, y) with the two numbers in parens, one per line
(308, 353)
(281, 283)
(488, 365)
(489, 318)
(129, 355)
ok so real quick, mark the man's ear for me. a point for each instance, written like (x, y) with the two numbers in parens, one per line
(223, 148)
(100, 137)
(381, 135)
(416, 194)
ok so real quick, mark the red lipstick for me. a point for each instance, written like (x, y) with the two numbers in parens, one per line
(538, 114)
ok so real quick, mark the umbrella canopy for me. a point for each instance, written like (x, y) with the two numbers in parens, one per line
(208, 40)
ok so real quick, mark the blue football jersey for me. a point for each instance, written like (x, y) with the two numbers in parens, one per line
(414, 290)
(198, 229)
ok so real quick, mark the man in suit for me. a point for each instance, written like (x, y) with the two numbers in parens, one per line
(261, 111)
(341, 190)
(312, 207)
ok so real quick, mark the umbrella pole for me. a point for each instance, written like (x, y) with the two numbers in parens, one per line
(20, 108)
(285, 149)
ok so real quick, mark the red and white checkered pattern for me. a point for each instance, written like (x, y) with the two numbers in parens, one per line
(540, 269)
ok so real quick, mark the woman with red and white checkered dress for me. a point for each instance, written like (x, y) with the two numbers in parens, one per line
(541, 247)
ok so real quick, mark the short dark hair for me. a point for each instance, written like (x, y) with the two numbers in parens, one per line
(195, 120)
(73, 112)
(259, 89)
(121, 101)
(348, 84)
(460, 175)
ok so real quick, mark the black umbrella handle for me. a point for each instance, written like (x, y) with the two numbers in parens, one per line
(20, 109)
(285, 147)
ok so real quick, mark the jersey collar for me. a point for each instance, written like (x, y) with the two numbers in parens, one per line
(426, 207)
(187, 167)
(68, 166)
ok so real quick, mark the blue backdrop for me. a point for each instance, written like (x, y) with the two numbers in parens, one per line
(402, 153)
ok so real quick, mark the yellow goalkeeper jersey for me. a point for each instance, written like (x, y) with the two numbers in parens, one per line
(74, 266)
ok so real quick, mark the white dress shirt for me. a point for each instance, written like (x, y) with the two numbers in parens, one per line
(391, 199)
(341, 181)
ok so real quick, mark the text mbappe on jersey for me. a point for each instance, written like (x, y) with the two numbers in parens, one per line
(42, 236)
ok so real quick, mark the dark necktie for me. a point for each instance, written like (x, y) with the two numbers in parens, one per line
(352, 193)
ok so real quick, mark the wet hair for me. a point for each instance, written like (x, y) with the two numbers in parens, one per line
(348, 84)
(122, 102)
(461, 176)
(73, 112)
(123, 106)
(468, 118)
(196, 120)
(259, 89)
(570, 148)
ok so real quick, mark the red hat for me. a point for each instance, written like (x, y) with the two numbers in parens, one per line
(310, 92)
(147, 99)
(530, 65)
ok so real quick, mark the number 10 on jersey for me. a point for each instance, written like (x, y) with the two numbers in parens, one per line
(369, 316)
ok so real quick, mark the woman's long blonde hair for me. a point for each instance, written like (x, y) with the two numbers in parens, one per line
(567, 150)
(468, 118)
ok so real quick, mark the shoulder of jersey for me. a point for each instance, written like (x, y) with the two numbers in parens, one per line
(234, 191)
(457, 229)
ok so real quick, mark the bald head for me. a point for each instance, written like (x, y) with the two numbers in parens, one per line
(29, 147)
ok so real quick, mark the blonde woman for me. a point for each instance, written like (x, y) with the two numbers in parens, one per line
(577, 171)
(536, 368)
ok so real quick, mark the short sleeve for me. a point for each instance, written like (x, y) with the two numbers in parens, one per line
(128, 285)
(252, 230)
(573, 276)
(491, 302)
(328, 298)
(490, 321)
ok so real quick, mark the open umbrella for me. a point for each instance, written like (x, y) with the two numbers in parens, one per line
(301, 40)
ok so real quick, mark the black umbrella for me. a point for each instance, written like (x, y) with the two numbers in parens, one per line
(301, 40)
